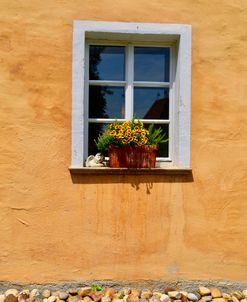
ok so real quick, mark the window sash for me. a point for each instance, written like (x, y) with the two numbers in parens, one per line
(129, 85)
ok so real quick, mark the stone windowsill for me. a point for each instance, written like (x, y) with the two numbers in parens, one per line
(129, 171)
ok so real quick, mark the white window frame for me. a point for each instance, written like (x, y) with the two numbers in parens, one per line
(178, 37)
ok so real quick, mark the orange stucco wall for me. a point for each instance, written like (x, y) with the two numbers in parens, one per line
(57, 227)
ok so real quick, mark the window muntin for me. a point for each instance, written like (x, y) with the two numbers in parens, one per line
(141, 88)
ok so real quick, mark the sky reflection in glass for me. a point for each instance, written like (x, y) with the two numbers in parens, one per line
(151, 64)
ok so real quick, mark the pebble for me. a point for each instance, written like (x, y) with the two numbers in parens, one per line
(234, 299)
(11, 298)
(136, 292)
(34, 292)
(165, 298)
(174, 295)
(109, 292)
(154, 299)
(146, 294)
(84, 291)
(86, 294)
(204, 291)
(192, 297)
(73, 291)
(51, 299)
(11, 291)
(219, 300)
(215, 292)
(133, 298)
(46, 293)
(63, 295)
(237, 294)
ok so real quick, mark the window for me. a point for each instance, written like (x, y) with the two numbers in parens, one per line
(121, 70)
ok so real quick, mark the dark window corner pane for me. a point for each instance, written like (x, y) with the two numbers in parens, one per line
(106, 102)
(95, 130)
(163, 150)
(107, 63)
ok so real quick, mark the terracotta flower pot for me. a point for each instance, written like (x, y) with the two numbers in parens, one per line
(132, 157)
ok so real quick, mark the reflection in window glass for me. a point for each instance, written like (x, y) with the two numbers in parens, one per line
(106, 63)
(163, 150)
(106, 102)
(151, 103)
(95, 130)
(151, 64)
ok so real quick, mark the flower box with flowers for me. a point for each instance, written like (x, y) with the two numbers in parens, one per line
(130, 144)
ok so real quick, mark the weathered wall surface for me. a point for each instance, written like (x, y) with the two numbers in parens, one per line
(55, 227)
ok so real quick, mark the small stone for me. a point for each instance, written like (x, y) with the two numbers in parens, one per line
(219, 300)
(143, 300)
(132, 298)
(207, 298)
(46, 293)
(157, 294)
(11, 298)
(22, 297)
(34, 292)
(11, 291)
(165, 298)
(215, 292)
(109, 292)
(184, 298)
(73, 291)
(63, 295)
(155, 298)
(177, 300)
(175, 295)
(238, 295)
(234, 299)
(2, 297)
(243, 300)
(135, 292)
(96, 296)
(146, 294)
(52, 299)
(192, 297)
(169, 289)
(84, 291)
(105, 299)
(31, 299)
(59, 300)
(77, 298)
(184, 293)
(204, 291)
(244, 292)
(55, 293)
(226, 296)
(86, 299)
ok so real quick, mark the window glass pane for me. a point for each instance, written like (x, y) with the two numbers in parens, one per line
(151, 103)
(151, 64)
(163, 150)
(106, 63)
(95, 130)
(106, 102)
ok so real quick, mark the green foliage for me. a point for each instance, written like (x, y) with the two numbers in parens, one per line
(129, 133)
(121, 296)
(97, 287)
(156, 135)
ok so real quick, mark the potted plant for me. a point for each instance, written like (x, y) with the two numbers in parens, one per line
(130, 144)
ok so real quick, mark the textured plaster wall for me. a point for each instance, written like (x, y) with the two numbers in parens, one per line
(55, 227)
